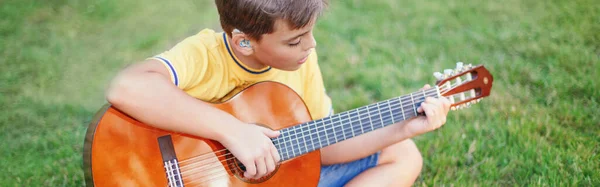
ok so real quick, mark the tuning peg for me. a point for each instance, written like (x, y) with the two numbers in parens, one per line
(448, 72)
(459, 66)
(478, 100)
(438, 75)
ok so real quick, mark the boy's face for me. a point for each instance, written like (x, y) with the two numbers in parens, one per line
(285, 48)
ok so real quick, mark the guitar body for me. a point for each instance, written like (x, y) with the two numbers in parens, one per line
(121, 151)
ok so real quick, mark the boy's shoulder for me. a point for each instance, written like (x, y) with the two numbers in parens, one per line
(208, 38)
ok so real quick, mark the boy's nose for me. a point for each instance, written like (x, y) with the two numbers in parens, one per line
(312, 43)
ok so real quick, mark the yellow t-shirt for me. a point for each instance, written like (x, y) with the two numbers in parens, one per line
(205, 67)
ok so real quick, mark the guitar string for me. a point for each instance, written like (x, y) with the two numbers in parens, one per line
(185, 170)
(189, 165)
(210, 177)
(216, 152)
(381, 103)
(200, 182)
(384, 119)
(197, 179)
(214, 176)
(232, 158)
(302, 132)
(209, 169)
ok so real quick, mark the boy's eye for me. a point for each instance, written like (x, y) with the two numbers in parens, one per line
(295, 43)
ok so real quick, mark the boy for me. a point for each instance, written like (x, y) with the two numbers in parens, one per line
(264, 40)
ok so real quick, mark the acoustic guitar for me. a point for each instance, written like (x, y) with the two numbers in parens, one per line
(121, 151)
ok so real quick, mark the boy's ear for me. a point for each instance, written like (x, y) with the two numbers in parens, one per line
(242, 44)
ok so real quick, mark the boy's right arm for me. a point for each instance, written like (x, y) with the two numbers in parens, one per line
(144, 91)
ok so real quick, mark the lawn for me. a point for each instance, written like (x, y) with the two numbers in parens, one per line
(539, 127)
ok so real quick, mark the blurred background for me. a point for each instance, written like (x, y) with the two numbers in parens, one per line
(539, 127)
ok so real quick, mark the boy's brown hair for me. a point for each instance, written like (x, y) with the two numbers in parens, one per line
(257, 17)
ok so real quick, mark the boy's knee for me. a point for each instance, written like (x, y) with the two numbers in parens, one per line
(404, 154)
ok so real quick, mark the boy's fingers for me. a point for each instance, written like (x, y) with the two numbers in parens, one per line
(275, 154)
(261, 167)
(270, 163)
(429, 111)
(439, 104)
(446, 103)
(426, 86)
(250, 170)
(270, 133)
(420, 109)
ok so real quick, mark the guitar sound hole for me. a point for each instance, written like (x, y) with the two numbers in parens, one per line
(238, 170)
(241, 166)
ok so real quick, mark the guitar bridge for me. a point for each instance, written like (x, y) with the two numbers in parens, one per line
(170, 162)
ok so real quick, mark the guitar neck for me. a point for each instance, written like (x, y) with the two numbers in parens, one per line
(304, 138)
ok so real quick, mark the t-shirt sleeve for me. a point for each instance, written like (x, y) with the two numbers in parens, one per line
(318, 102)
(187, 62)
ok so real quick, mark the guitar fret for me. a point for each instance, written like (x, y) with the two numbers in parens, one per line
(297, 142)
(309, 142)
(414, 106)
(339, 119)
(333, 126)
(290, 144)
(276, 144)
(402, 107)
(334, 134)
(391, 111)
(351, 123)
(326, 140)
(360, 123)
(304, 138)
(309, 134)
(293, 138)
(310, 137)
(284, 149)
(380, 117)
(318, 135)
(326, 134)
(424, 96)
(303, 142)
(347, 126)
(318, 139)
(369, 115)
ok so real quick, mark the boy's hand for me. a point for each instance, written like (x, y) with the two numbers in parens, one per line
(436, 110)
(252, 146)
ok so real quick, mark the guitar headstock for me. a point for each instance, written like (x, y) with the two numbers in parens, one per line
(464, 85)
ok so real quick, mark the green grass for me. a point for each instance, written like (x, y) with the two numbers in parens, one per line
(540, 126)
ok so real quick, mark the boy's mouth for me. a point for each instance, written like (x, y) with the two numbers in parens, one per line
(303, 60)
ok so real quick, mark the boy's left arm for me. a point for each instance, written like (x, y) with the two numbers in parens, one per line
(320, 105)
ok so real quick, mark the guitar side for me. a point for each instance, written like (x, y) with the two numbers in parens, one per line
(121, 151)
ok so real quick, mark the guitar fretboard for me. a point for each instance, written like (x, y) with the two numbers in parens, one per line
(304, 138)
